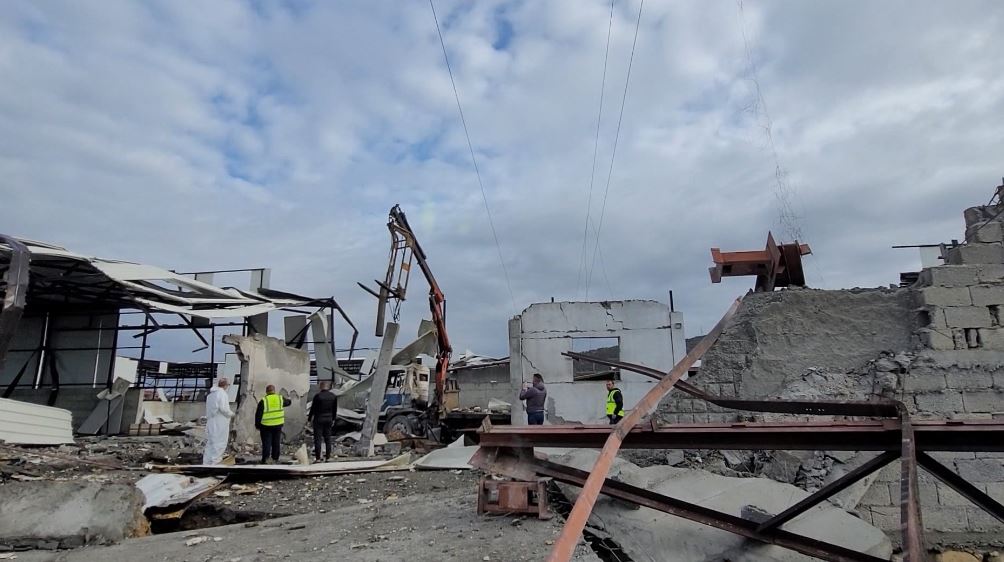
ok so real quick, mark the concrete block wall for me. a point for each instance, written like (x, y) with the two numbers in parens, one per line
(478, 385)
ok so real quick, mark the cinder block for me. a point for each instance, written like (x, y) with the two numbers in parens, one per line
(889, 473)
(969, 380)
(981, 521)
(878, 494)
(991, 272)
(995, 490)
(980, 471)
(968, 317)
(950, 276)
(916, 382)
(945, 296)
(992, 338)
(940, 402)
(971, 254)
(950, 498)
(946, 519)
(937, 340)
(976, 216)
(885, 518)
(985, 232)
(987, 295)
(983, 402)
(935, 318)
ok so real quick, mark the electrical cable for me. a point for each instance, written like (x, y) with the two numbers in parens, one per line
(470, 146)
(596, 147)
(613, 153)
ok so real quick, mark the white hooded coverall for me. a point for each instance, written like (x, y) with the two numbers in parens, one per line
(218, 416)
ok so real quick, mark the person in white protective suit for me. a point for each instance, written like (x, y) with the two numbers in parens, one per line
(218, 416)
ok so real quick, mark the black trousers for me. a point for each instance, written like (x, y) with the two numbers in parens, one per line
(322, 430)
(614, 418)
(271, 441)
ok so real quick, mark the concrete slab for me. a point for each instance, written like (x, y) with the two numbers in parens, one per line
(651, 536)
(70, 514)
(266, 361)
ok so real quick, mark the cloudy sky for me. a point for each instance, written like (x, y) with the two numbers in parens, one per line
(211, 135)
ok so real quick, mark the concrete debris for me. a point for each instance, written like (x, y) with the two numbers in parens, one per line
(455, 456)
(782, 466)
(650, 536)
(70, 514)
(167, 495)
(274, 471)
(265, 361)
(23, 423)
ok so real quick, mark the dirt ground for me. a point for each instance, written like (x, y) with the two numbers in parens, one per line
(402, 515)
(434, 521)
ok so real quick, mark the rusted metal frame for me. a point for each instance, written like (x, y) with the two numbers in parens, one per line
(827, 491)
(870, 408)
(15, 291)
(564, 546)
(910, 518)
(703, 515)
(960, 485)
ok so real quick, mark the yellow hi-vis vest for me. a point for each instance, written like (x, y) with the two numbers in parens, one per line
(611, 405)
(272, 414)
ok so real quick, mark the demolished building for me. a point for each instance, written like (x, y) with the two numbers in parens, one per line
(67, 316)
(645, 332)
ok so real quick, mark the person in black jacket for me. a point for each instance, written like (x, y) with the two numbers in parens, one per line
(322, 414)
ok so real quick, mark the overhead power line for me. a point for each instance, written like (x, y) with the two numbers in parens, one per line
(613, 153)
(596, 147)
(474, 160)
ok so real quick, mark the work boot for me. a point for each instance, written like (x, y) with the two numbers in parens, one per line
(317, 459)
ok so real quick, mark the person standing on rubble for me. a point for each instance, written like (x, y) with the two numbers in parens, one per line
(218, 416)
(268, 418)
(615, 403)
(535, 396)
(323, 410)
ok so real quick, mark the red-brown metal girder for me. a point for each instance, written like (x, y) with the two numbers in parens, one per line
(777, 265)
(564, 547)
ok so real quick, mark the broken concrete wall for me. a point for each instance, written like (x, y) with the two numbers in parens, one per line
(54, 515)
(647, 332)
(265, 361)
(479, 384)
(775, 339)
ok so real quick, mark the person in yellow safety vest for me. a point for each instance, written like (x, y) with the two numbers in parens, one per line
(268, 418)
(615, 403)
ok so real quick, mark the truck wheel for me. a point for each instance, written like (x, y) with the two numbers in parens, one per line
(400, 423)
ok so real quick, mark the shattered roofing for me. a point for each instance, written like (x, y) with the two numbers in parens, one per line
(60, 278)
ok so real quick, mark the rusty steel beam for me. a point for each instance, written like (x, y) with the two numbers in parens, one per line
(910, 518)
(825, 492)
(774, 266)
(873, 435)
(564, 547)
(960, 485)
(15, 291)
(693, 512)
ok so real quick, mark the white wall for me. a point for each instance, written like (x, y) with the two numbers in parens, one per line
(649, 335)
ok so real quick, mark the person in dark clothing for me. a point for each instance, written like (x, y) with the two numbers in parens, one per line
(535, 396)
(615, 403)
(269, 418)
(323, 410)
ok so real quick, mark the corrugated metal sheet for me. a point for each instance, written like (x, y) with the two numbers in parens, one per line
(23, 423)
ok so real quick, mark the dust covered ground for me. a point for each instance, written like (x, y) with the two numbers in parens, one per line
(437, 522)
(402, 515)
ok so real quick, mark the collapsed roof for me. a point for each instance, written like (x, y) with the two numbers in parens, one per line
(61, 279)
